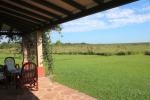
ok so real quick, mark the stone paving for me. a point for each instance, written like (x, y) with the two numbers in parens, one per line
(47, 91)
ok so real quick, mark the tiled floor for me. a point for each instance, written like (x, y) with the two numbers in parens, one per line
(47, 91)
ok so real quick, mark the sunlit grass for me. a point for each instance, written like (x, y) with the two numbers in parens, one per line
(103, 77)
(106, 78)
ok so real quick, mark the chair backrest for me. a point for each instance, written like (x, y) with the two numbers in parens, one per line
(29, 72)
(10, 63)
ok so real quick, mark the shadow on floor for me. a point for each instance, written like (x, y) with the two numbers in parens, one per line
(11, 93)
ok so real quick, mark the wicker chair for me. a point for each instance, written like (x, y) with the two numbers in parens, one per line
(28, 76)
(11, 69)
(10, 64)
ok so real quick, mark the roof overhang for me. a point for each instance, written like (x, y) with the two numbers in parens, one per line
(29, 15)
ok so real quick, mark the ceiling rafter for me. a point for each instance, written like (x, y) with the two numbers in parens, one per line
(28, 15)
(53, 6)
(100, 7)
(28, 5)
(24, 14)
(24, 11)
(74, 4)
(15, 20)
(21, 15)
(99, 1)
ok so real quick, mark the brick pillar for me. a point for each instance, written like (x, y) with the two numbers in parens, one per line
(25, 50)
(41, 71)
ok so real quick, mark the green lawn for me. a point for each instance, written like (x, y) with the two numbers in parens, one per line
(4, 54)
(103, 77)
(106, 78)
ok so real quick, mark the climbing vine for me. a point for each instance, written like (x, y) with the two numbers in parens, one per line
(47, 51)
(47, 48)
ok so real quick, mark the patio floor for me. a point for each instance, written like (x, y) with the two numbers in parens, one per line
(47, 91)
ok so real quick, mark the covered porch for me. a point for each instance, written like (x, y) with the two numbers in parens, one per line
(30, 19)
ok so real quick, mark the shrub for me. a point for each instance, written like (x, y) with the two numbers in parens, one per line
(147, 53)
(104, 54)
(120, 53)
(129, 52)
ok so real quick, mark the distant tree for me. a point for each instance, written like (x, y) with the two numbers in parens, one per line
(4, 45)
(58, 42)
(83, 43)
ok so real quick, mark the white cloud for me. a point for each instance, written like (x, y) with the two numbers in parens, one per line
(133, 19)
(113, 18)
(84, 24)
(118, 13)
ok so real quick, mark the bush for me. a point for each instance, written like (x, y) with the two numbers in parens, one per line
(120, 53)
(147, 53)
(104, 54)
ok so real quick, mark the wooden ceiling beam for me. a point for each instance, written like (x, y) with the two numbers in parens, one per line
(18, 17)
(99, 1)
(53, 6)
(14, 4)
(74, 4)
(24, 14)
(21, 15)
(17, 23)
(24, 11)
(28, 5)
(100, 7)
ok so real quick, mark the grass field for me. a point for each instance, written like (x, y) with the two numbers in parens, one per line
(5, 53)
(125, 77)
(105, 77)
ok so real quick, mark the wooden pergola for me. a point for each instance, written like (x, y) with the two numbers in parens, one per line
(30, 18)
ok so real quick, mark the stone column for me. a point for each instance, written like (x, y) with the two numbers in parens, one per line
(41, 71)
(32, 50)
(25, 50)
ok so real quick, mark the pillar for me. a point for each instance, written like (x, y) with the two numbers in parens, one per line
(41, 70)
(25, 50)
(32, 50)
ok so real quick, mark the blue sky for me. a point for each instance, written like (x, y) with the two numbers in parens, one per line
(126, 24)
